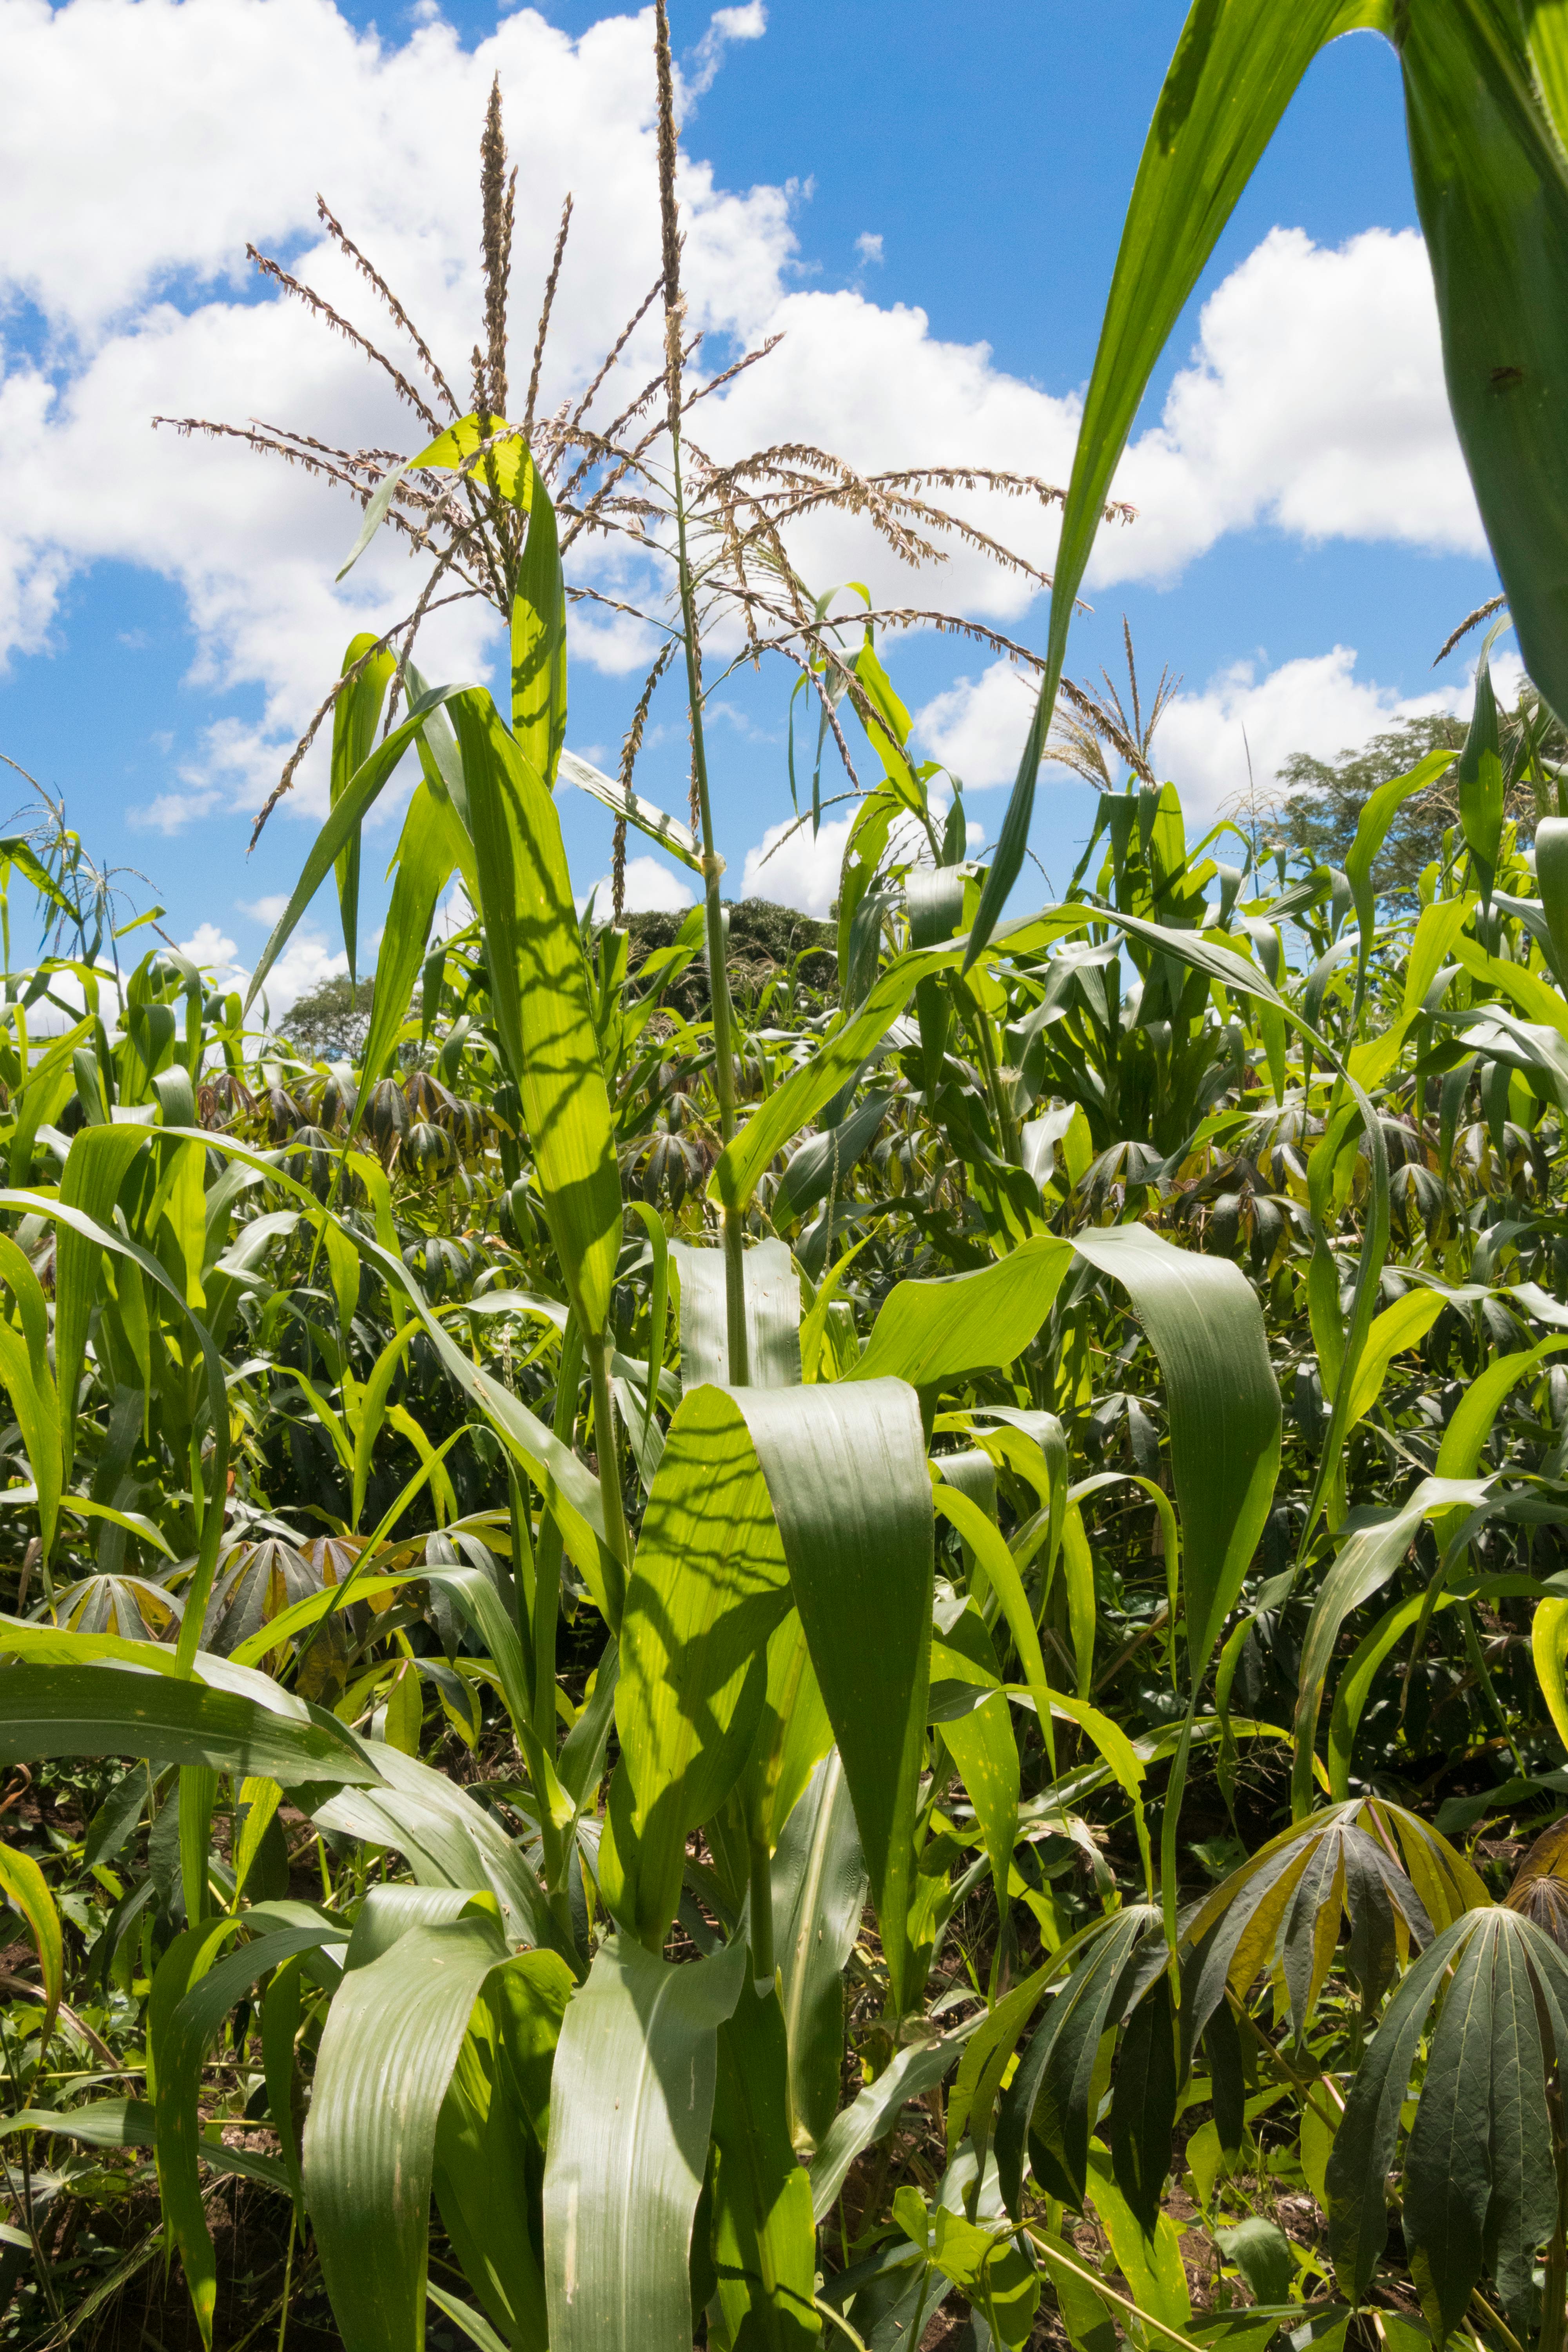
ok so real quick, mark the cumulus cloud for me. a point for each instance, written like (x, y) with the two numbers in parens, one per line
(795, 868)
(1317, 704)
(305, 962)
(154, 138)
(650, 884)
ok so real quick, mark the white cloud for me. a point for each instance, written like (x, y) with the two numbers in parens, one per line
(650, 884)
(1317, 705)
(978, 727)
(264, 910)
(304, 963)
(868, 245)
(1315, 402)
(794, 869)
(151, 139)
(747, 23)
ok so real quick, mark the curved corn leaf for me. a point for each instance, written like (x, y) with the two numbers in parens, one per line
(628, 2143)
(1205, 1325)
(763, 2237)
(1374, 1542)
(348, 812)
(103, 1710)
(543, 1011)
(1236, 69)
(25, 1888)
(708, 1585)
(931, 1331)
(819, 1888)
(391, 2041)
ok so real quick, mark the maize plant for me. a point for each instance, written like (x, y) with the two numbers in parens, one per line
(862, 1645)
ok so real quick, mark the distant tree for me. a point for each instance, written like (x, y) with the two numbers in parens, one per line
(1316, 818)
(1322, 801)
(331, 1020)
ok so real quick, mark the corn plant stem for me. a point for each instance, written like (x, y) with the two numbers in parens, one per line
(732, 1227)
(617, 1541)
(1006, 1125)
(761, 1921)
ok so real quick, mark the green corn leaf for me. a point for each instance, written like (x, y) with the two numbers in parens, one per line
(912, 2073)
(26, 1890)
(1479, 770)
(544, 1010)
(846, 1474)
(490, 2138)
(179, 2040)
(708, 1586)
(391, 2041)
(1236, 69)
(1377, 814)
(764, 2238)
(107, 1710)
(356, 714)
(773, 1315)
(1374, 1544)
(931, 1331)
(1205, 1325)
(628, 2143)
(819, 1888)
(1402, 1326)
(449, 1839)
(538, 640)
(668, 832)
(347, 814)
(983, 1746)
(1491, 188)
(426, 859)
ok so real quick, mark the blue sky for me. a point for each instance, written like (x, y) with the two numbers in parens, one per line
(1305, 539)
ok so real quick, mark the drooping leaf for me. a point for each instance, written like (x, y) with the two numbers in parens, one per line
(538, 986)
(629, 2121)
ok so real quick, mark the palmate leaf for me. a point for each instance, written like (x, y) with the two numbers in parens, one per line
(1283, 1907)
(1045, 2112)
(1481, 2185)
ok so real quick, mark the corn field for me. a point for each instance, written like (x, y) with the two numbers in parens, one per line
(870, 1650)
